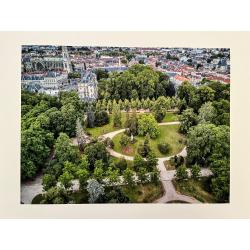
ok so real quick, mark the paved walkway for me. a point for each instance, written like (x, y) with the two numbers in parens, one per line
(32, 188)
(166, 176)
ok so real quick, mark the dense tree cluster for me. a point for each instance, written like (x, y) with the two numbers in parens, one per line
(43, 119)
(139, 81)
(205, 118)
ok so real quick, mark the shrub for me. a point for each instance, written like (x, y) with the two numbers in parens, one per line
(109, 143)
(164, 147)
(121, 164)
(177, 161)
(124, 141)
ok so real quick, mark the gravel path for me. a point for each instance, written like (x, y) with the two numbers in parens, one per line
(166, 176)
(32, 188)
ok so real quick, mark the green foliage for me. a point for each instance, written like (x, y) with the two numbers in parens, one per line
(35, 148)
(144, 149)
(164, 147)
(112, 175)
(129, 177)
(187, 119)
(139, 81)
(95, 190)
(195, 172)
(131, 124)
(181, 173)
(101, 118)
(109, 142)
(138, 163)
(64, 150)
(96, 151)
(148, 124)
(48, 181)
(209, 145)
(161, 105)
(124, 141)
(98, 171)
(55, 195)
(66, 179)
(151, 162)
(121, 164)
(116, 116)
(207, 113)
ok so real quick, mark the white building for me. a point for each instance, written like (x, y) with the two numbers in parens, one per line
(49, 84)
(87, 87)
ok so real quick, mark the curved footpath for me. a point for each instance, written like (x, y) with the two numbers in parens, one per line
(32, 188)
(166, 176)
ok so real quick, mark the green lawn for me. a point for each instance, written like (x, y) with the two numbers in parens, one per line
(144, 193)
(167, 133)
(97, 131)
(171, 117)
(198, 189)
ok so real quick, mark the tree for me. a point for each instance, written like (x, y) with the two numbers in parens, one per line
(98, 171)
(139, 162)
(207, 113)
(66, 179)
(112, 175)
(202, 95)
(126, 105)
(96, 151)
(48, 181)
(164, 147)
(186, 92)
(205, 141)
(69, 114)
(121, 164)
(55, 195)
(143, 175)
(151, 161)
(64, 151)
(148, 124)
(81, 136)
(161, 105)
(82, 175)
(195, 171)
(132, 124)
(128, 176)
(95, 190)
(35, 149)
(181, 173)
(116, 116)
(222, 108)
(101, 118)
(124, 141)
(187, 119)
(109, 106)
(144, 149)
(90, 121)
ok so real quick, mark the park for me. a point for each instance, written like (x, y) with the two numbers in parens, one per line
(141, 148)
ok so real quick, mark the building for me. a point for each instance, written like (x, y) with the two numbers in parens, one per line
(49, 83)
(178, 80)
(87, 87)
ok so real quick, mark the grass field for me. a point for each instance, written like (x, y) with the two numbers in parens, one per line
(144, 193)
(97, 131)
(171, 117)
(199, 189)
(167, 133)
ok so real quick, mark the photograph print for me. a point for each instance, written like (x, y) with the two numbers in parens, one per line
(124, 125)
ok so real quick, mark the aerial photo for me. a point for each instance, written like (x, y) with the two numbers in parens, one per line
(124, 125)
